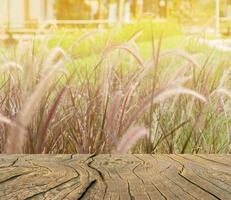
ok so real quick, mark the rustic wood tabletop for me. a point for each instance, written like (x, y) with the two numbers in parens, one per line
(121, 177)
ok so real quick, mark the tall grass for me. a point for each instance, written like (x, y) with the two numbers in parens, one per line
(53, 101)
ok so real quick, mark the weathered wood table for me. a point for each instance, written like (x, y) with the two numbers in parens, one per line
(115, 177)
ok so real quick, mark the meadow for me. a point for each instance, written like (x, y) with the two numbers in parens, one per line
(143, 88)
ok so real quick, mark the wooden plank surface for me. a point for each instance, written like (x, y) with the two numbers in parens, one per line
(137, 177)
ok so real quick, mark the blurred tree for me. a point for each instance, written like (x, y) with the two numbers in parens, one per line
(193, 11)
(163, 8)
(71, 10)
(150, 6)
(100, 10)
(137, 7)
(26, 10)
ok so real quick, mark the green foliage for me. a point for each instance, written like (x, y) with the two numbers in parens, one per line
(98, 39)
(149, 29)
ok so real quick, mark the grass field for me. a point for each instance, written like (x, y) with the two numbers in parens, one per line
(129, 89)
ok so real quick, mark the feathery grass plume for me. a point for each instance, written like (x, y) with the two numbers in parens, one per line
(8, 66)
(134, 37)
(223, 91)
(154, 128)
(160, 95)
(181, 71)
(178, 90)
(24, 50)
(225, 77)
(180, 53)
(112, 115)
(83, 38)
(129, 139)
(105, 79)
(55, 55)
(125, 104)
(229, 142)
(134, 83)
(43, 134)
(127, 47)
(5, 119)
(16, 137)
(48, 27)
(227, 93)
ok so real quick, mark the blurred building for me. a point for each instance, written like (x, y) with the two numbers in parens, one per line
(24, 13)
(32, 13)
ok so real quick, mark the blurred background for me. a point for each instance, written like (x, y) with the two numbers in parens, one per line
(26, 15)
(118, 53)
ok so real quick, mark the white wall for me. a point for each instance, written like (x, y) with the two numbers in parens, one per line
(3, 10)
(50, 14)
(16, 13)
(36, 11)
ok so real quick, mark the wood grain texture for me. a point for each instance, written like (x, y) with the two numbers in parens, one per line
(132, 177)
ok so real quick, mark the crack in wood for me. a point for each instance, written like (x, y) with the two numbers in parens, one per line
(129, 191)
(52, 188)
(181, 188)
(14, 177)
(160, 191)
(181, 173)
(98, 172)
(91, 184)
(214, 161)
(211, 182)
(10, 165)
(205, 174)
(143, 162)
